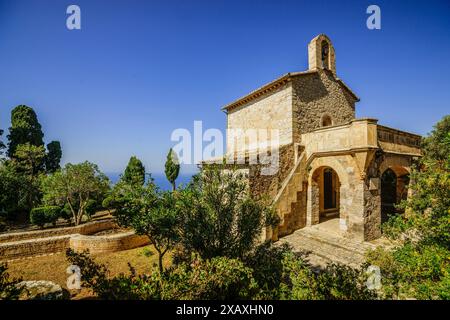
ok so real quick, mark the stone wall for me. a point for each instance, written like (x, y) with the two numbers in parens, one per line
(271, 184)
(87, 228)
(34, 243)
(271, 111)
(111, 243)
(33, 247)
(318, 94)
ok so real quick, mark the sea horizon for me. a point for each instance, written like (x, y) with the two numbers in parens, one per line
(159, 179)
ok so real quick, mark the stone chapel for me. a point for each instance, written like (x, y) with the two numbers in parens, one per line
(332, 167)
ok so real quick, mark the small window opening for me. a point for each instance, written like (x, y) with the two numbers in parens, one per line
(326, 121)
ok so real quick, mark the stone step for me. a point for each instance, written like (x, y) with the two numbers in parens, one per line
(325, 248)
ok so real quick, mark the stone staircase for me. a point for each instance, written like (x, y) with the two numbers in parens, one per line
(288, 199)
(324, 246)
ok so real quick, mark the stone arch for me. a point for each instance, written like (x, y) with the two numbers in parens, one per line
(399, 164)
(325, 54)
(394, 180)
(315, 206)
(331, 162)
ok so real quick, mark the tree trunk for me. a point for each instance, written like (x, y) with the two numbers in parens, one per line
(160, 261)
(173, 186)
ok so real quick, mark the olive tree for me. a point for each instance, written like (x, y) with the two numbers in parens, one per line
(219, 216)
(75, 185)
(148, 212)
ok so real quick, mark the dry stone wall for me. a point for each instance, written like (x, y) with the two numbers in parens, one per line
(87, 228)
(35, 243)
(112, 243)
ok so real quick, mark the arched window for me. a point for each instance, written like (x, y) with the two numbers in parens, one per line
(326, 121)
(325, 55)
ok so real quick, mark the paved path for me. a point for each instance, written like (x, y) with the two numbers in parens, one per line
(325, 243)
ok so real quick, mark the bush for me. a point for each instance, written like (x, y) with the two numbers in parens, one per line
(92, 207)
(43, 215)
(218, 278)
(414, 270)
(267, 264)
(219, 216)
(66, 213)
(335, 282)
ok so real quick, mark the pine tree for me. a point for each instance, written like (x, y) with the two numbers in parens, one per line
(134, 172)
(25, 128)
(172, 168)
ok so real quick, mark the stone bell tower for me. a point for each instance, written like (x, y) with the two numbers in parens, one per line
(321, 54)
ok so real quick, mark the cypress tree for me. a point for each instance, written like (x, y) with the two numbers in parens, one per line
(134, 172)
(172, 168)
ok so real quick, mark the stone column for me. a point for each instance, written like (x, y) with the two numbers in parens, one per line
(312, 204)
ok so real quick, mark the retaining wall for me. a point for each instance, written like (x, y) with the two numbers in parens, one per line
(34, 243)
(112, 243)
(86, 228)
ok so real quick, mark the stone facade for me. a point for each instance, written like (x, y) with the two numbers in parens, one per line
(330, 164)
(316, 95)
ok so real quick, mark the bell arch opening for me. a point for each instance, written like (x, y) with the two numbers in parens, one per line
(325, 54)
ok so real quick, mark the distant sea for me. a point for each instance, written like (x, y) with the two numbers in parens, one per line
(159, 179)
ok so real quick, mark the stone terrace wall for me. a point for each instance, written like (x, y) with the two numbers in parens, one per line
(112, 243)
(33, 247)
(87, 228)
(34, 243)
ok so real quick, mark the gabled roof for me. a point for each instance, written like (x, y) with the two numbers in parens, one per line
(277, 83)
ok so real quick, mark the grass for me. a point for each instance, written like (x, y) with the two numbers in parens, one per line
(53, 267)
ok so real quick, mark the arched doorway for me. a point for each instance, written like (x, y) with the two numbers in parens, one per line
(325, 194)
(394, 189)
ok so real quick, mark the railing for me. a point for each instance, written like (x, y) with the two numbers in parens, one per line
(390, 135)
(357, 134)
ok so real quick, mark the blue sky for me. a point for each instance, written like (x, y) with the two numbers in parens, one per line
(137, 70)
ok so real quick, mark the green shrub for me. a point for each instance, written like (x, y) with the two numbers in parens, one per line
(419, 271)
(335, 282)
(66, 213)
(267, 264)
(43, 215)
(218, 278)
(92, 207)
